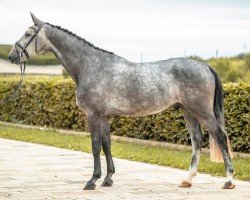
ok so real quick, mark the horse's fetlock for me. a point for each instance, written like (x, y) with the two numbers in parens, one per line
(231, 170)
(193, 172)
(97, 174)
(111, 170)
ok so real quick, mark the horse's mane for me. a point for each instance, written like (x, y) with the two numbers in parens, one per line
(78, 37)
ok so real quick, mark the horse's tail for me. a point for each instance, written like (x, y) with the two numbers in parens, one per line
(215, 152)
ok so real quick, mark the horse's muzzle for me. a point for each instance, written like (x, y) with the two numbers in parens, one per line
(14, 59)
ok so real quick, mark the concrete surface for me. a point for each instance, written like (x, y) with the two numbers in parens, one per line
(32, 171)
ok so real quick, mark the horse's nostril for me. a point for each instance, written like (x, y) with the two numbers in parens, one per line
(9, 57)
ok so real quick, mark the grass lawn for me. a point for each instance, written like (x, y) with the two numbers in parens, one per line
(143, 153)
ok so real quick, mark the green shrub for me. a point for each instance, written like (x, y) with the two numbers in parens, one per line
(237, 106)
(232, 69)
(4, 51)
(50, 101)
(41, 101)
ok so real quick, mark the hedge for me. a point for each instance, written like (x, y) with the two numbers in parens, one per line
(50, 102)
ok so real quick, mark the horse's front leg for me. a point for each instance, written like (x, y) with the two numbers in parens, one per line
(106, 145)
(95, 127)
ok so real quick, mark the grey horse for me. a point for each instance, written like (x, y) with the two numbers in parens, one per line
(108, 84)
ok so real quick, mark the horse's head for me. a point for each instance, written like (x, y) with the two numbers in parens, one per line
(30, 44)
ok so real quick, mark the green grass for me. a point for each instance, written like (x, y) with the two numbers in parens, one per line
(43, 59)
(135, 152)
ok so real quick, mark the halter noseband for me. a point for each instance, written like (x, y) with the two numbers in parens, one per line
(23, 48)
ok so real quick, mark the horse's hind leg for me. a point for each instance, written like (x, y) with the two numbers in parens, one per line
(204, 113)
(211, 125)
(194, 129)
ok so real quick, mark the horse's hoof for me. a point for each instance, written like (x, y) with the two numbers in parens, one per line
(185, 184)
(228, 185)
(107, 183)
(90, 186)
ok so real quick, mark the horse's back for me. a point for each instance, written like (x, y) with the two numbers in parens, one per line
(189, 72)
(178, 73)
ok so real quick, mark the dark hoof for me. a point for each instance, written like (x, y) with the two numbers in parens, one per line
(228, 185)
(107, 183)
(90, 186)
(185, 184)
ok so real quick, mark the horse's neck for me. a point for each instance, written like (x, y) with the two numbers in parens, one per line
(71, 53)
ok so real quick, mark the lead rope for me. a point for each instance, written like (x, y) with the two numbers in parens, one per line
(22, 69)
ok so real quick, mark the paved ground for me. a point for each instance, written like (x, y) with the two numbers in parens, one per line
(9, 68)
(31, 171)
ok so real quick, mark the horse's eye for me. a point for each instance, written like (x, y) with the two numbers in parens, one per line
(27, 34)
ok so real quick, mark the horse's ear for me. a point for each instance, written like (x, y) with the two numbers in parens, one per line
(35, 20)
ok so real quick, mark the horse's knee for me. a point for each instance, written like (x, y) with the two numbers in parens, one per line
(96, 143)
(96, 150)
(96, 147)
(106, 142)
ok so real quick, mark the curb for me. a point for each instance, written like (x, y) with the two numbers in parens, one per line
(178, 147)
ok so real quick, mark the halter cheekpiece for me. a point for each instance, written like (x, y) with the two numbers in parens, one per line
(23, 48)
